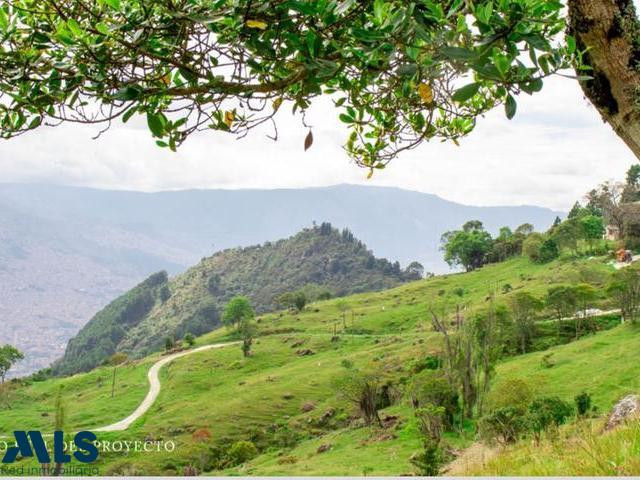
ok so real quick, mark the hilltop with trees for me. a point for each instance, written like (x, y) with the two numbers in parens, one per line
(318, 263)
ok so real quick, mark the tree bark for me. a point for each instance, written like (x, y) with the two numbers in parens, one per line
(610, 32)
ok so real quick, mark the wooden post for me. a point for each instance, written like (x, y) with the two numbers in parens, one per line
(113, 384)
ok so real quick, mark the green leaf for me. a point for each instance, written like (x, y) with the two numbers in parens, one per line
(502, 63)
(465, 93)
(74, 27)
(128, 93)
(456, 53)
(156, 123)
(128, 114)
(115, 4)
(63, 34)
(407, 70)
(378, 11)
(103, 28)
(346, 118)
(532, 86)
(35, 123)
(510, 107)
(4, 20)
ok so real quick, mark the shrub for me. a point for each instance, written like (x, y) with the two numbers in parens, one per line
(583, 403)
(548, 251)
(241, 451)
(288, 460)
(215, 458)
(346, 363)
(432, 388)
(118, 358)
(547, 360)
(430, 423)
(189, 339)
(326, 295)
(546, 412)
(429, 460)
(294, 300)
(504, 425)
(165, 293)
(285, 437)
(540, 249)
(213, 284)
(532, 245)
(515, 392)
(364, 390)
(168, 343)
(430, 362)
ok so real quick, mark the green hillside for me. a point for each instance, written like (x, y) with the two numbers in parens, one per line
(322, 258)
(285, 403)
(605, 365)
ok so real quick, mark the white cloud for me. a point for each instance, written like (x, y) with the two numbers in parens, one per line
(555, 150)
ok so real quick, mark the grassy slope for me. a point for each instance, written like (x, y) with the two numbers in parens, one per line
(234, 398)
(581, 450)
(602, 365)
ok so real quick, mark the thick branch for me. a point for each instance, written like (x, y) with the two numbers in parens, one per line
(610, 32)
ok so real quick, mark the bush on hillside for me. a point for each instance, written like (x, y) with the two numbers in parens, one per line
(189, 339)
(583, 403)
(547, 412)
(430, 423)
(118, 358)
(430, 362)
(504, 425)
(515, 392)
(430, 387)
(241, 452)
(540, 249)
(548, 251)
(363, 390)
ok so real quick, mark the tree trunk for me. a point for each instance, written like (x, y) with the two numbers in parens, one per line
(610, 30)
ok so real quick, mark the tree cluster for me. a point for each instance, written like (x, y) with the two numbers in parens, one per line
(472, 246)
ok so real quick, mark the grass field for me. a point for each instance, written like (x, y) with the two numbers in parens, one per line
(281, 400)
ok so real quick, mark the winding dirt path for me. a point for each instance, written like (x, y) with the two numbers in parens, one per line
(154, 388)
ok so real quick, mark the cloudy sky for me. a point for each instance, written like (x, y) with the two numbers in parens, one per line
(555, 150)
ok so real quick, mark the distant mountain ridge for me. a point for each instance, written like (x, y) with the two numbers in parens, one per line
(138, 322)
(66, 252)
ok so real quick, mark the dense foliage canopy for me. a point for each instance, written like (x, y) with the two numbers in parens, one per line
(400, 72)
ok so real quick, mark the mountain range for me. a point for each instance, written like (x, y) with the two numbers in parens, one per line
(66, 252)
